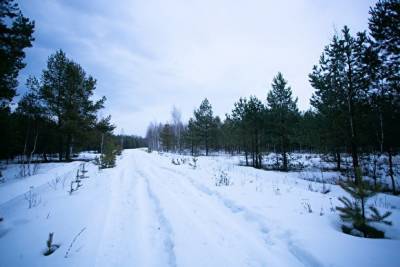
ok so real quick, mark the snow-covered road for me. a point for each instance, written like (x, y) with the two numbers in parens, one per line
(149, 212)
(159, 217)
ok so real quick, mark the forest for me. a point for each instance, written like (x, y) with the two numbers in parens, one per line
(56, 116)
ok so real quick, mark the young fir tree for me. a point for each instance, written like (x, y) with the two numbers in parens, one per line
(283, 115)
(355, 212)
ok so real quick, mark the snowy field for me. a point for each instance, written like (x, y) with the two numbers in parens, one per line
(166, 210)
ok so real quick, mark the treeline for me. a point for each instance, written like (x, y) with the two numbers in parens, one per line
(355, 107)
(57, 115)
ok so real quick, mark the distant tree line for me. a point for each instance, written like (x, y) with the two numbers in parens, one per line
(355, 106)
(57, 115)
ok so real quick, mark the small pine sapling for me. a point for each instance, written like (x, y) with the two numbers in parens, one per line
(50, 246)
(78, 179)
(222, 179)
(193, 164)
(83, 171)
(306, 205)
(75, 184)
(108, 158)
(325, 189)
(355, 212)
(175, 162)
(72, 188)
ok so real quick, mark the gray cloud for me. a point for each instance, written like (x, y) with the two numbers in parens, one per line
(150, 55)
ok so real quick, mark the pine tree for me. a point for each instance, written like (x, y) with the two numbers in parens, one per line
(384, 27)
(15, 35)
(239, 126)
(283, 115)
(33, 121)
(341, 84)
(66, 91)
(109, 155)
(167, 137)
(104, 127)
(248, 116)
(204, 124)
(355, 212)
(191, 136)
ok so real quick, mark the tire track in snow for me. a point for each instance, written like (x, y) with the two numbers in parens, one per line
(214, 231)
(304, 257)
(164, 224)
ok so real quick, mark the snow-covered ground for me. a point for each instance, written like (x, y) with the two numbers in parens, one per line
(150, 212)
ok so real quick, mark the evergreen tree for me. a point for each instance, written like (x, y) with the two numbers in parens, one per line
(15, 35)
(239, 126)
(167, 137)
(109, 155)
(341, 84)
(384, 27)
(204, 124)
(104, 127)
(355, 211)
(32, 117)
(283, 115)
(66, 91)
(191, 136)
(248, 115)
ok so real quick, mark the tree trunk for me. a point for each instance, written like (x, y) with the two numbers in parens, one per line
(102, 144)
(353, 142)
(363, 217)
(381, 131)
(32, 152)
(60, 147)
(68, 147)
(391, 172)
(285, 163)
(338, 161)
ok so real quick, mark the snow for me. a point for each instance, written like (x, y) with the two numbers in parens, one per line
(150, 212)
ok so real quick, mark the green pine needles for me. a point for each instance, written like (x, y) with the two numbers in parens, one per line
(354, 210)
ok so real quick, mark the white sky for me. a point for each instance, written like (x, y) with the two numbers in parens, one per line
(150, 55)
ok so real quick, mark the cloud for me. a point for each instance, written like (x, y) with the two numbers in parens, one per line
(150, 55)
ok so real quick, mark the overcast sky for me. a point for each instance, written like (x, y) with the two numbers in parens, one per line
(152, 54)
